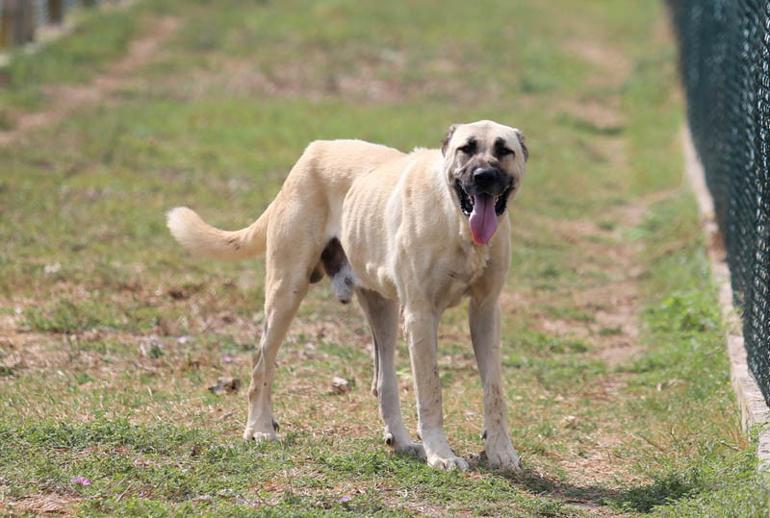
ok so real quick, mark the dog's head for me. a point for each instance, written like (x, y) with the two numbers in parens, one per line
(484, 163)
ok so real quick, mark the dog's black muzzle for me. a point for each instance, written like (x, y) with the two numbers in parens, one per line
(489, 181)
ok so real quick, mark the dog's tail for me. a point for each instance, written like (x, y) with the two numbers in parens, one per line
(200, 238)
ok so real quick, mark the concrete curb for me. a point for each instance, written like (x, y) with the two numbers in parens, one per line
(754, 409)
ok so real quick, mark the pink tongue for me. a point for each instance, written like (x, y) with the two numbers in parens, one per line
(483, 219)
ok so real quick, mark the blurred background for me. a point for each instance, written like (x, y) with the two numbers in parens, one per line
(122, 359)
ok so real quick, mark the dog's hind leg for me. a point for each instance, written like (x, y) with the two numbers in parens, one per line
(284, 289)
(382, 315)
(376, 369)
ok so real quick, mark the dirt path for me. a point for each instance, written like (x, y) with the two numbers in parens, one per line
(64, 100)
(614, 303)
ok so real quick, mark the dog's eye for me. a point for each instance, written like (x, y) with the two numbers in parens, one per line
(504, 151)
(468, 148)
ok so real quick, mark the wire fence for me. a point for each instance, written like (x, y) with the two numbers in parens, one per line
(725, 66)
(22, 20)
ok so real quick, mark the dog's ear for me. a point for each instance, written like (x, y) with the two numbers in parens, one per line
(447, 138)
(523, 142)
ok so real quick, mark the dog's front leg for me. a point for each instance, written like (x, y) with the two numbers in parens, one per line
(422, 327)
(484, 318)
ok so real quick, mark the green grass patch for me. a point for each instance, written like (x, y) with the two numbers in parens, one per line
(65, 316)
(97, 40)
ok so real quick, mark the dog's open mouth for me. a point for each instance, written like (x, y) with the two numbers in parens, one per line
(468, 201)
(482, 210)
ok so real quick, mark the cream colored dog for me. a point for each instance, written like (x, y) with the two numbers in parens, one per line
(419, 231)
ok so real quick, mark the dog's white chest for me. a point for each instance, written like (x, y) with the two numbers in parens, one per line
(458, 273)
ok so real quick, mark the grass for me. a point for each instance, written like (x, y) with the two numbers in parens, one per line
(617, 380)
(96, 40)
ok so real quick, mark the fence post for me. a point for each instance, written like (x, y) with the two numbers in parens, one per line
(55, 11)
(16, 11)
(24, 22)
(6, 25)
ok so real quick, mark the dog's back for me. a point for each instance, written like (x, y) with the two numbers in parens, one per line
(322, 175)
(339, 162)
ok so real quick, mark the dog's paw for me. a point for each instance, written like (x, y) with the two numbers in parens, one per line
(259, 435)
(415, 449)
(504, 459)
(449, 463)
(405, 447)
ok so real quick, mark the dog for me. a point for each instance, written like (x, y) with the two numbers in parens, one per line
(410, 235)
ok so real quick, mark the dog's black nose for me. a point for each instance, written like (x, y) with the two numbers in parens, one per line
(486, 178)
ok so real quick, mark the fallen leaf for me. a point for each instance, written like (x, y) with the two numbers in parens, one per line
(52, 268)
(80, 481)
(225, 385)
(340, 385)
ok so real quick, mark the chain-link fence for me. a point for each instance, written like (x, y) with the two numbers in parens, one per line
(725, 64)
